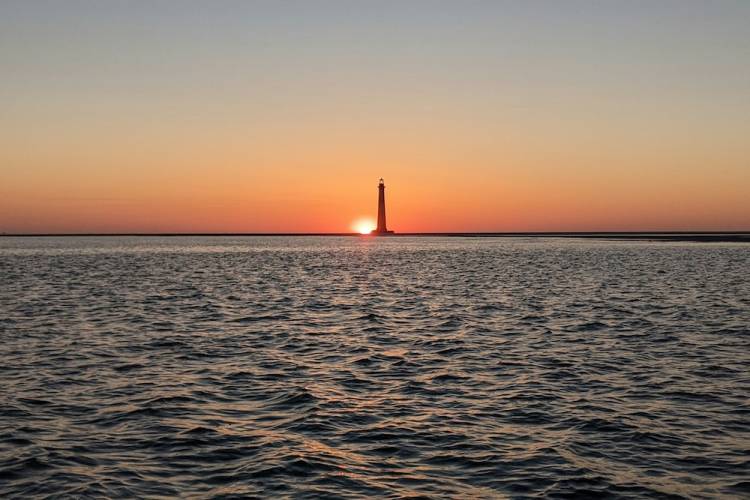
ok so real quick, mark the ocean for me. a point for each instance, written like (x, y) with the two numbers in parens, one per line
(361, 367)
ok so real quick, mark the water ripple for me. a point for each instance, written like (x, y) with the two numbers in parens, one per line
(360, 367)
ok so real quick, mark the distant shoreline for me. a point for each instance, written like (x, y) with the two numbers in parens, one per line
(697, 236)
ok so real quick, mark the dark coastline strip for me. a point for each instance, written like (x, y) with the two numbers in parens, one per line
(738, 237)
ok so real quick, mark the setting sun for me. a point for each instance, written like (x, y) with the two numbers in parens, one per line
(364, 225)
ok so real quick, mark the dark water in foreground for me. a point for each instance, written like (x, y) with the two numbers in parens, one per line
(355, 367)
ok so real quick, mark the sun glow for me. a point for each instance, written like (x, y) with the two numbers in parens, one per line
(363, 226)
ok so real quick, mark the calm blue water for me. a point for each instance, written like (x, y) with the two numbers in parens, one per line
(358, 367)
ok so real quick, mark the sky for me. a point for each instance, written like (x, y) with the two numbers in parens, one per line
(281, 116)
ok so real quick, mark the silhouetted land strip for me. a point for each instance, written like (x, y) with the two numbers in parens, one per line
(741, 237)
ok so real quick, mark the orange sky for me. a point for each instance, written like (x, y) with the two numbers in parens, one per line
(479, 119)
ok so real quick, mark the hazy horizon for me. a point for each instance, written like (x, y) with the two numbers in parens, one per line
(274, 117)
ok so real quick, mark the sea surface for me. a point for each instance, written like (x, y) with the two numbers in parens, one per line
(361, 367)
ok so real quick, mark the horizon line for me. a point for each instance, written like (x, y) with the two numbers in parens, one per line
(732, 235)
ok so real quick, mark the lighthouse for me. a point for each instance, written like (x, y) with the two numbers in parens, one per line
(382, 228)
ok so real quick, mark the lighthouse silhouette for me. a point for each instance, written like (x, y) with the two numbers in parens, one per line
(382, 229)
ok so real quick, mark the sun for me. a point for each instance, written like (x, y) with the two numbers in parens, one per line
(363, 225)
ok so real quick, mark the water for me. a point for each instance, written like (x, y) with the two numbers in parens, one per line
(356, 367)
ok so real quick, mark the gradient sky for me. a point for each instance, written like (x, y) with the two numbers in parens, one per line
(126, 116)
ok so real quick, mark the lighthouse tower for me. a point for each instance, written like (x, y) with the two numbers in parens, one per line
(382, 228)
